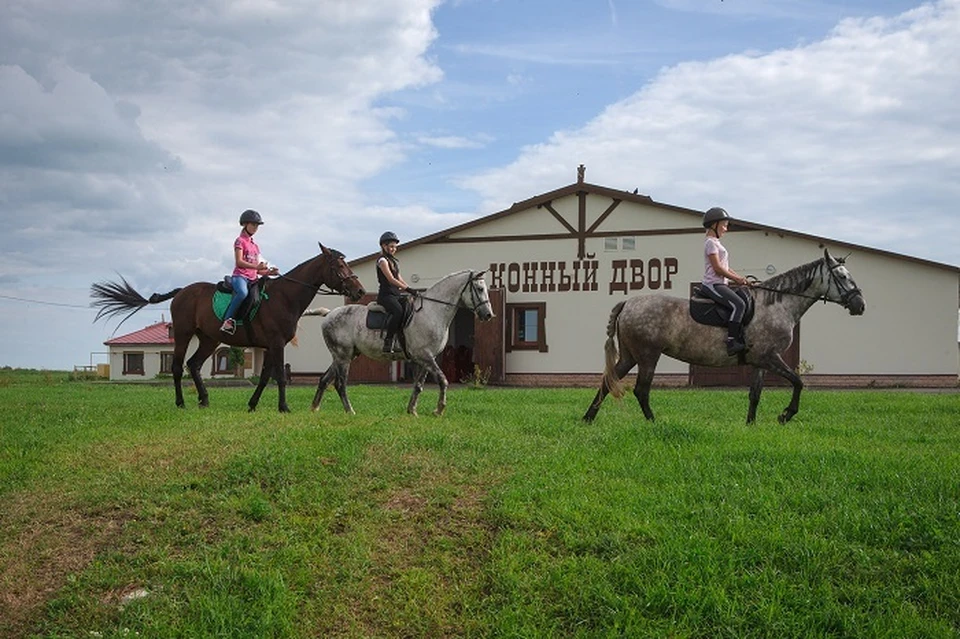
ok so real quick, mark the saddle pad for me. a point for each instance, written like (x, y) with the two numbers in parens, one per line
(221, 301)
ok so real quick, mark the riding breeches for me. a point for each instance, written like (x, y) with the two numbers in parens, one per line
(723, 294)
(394, 311)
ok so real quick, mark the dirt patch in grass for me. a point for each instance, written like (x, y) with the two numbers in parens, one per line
(431, 545)
(45, 541)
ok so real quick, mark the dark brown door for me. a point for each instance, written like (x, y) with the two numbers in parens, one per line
(488, 339)
(741, 375)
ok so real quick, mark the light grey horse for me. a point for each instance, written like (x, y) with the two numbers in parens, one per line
(651, 325)
(346, 334)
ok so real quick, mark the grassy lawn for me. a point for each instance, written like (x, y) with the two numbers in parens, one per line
(122, 516)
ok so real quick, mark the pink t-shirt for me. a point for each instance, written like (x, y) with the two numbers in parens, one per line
(712, 246)
(250, 252)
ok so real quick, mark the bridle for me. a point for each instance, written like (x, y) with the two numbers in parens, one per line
(321, 288)
(845, 294)
(474, 296)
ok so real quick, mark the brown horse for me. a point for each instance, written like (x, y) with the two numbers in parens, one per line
(274, 325)
(651, 325)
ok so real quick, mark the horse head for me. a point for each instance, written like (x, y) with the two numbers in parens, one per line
(841, 288)
(476, 298)
(340, 276)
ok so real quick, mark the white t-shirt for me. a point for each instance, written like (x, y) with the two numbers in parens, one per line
(712, 246)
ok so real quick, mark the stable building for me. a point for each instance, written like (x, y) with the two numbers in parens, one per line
(557, 263)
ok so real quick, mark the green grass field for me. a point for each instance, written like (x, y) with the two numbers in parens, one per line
(122, 516)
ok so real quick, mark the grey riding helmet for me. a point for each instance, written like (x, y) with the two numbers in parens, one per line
(250, 217)
(714, 215)
(389, 236)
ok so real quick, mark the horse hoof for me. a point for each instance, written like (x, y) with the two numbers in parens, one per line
(784, 418)
(251, 409)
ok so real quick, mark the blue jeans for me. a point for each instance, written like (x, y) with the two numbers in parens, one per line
(240, 289)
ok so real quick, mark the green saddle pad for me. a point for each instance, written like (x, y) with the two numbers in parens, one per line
(221, 301)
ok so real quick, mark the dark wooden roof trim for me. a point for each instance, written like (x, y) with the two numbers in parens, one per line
(575, 188)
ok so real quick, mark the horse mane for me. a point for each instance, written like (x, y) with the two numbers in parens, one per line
(797, 279)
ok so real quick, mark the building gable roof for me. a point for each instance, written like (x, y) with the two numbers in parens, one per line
(159, 333)
(639, 198)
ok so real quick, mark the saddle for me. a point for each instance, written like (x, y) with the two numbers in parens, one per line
(377, 316)
(705, 310)
(248, 308)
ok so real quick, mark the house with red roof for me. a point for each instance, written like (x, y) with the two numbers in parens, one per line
(148, 353)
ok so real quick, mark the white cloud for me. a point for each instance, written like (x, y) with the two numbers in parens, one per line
(819, 138)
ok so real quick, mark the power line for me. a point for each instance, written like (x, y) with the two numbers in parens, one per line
(23, 299)
(88, 308)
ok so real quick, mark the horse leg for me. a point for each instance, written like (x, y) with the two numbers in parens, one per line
(265, 371)
(780, 367)
(325, 380)
(432, 367)
(340, 383)
(622, 368)
(204, 351)
(279, 373)
(418, 379)
(179, 351)
(756, 387)
(641, 389)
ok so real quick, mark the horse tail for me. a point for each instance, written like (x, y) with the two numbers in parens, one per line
(612, 354)
(320, 310)
(114, 298)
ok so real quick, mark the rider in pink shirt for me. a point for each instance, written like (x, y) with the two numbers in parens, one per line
(247, 266)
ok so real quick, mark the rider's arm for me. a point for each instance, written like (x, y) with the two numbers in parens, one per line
(396, 281)
(726, 272)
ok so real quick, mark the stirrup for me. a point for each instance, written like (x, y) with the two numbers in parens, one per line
(735, 346)
(229, 326)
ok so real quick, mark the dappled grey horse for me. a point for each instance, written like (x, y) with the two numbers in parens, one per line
(346, 334)
(651, 325)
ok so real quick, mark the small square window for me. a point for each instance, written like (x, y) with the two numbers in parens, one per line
(610, 244)
(133, 363)
(526, 326)
(628, 243)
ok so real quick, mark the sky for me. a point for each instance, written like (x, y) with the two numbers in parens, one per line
(133, 134)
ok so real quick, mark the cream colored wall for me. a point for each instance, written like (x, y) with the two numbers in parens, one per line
(909, 327)
(151, 361)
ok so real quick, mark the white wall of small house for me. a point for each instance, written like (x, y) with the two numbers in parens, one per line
(909, 328)
(152, 359)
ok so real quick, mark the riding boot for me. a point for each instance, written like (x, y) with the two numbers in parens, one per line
(735, 342)
(388, 344)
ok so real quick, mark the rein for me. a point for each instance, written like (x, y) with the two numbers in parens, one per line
(321, 288)
(473, 296)
(845, 295)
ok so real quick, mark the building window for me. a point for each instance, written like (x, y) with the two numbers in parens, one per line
(132, 363)
(526, 328)
(610, 244)
(221, 362)
(628, 243)
(166, 363)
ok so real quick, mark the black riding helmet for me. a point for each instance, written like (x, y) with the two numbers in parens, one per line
(250, 217)
(389, 236)
(714, 215)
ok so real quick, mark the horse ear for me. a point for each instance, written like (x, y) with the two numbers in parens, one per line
(827, 256)
(479, 274)
(323, 249)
